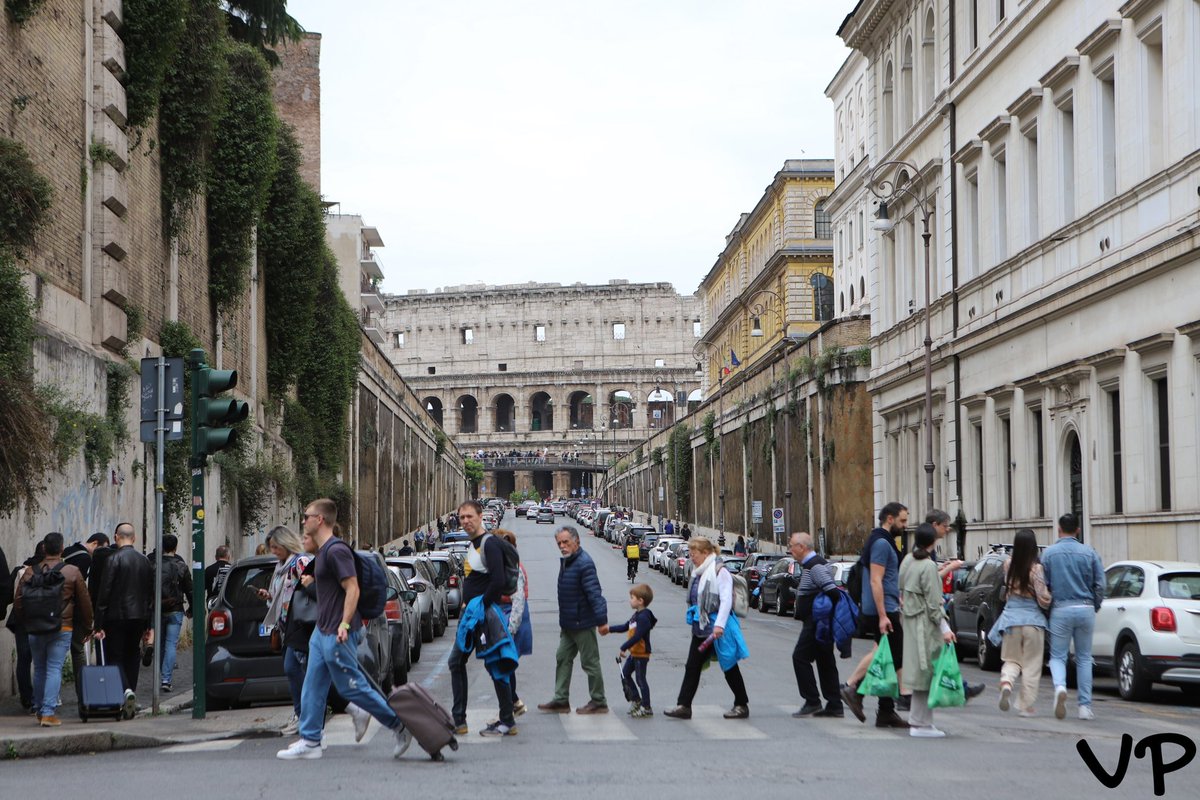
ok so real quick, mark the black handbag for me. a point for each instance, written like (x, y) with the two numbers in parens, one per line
(303, 608)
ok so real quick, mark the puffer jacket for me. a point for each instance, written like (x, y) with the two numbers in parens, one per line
(581, 603)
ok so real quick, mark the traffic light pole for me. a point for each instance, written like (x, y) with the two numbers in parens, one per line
(195, 362)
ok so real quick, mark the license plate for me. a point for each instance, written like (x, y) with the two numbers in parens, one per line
(264, 630)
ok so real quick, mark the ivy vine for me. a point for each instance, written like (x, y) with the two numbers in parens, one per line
(680, 467)
(21, 11)
(243, 164)
(252, 479)
(151, 30)
(189, 108)
(712, 444)
(25, 200)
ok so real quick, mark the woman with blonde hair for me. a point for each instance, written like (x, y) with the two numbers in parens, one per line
(286, 546)
(715, 630)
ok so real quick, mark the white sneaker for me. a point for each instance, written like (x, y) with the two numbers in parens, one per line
(362, 721)
(1027, 713)
(1085, 712)
(1005, 697)
(129, 707)
(926, 733)
(300, 749)
(292, 727)
(1060, 702)
(404, 738)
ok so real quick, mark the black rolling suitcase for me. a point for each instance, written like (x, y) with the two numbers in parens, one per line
(102, 689)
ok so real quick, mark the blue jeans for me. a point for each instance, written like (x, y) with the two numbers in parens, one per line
(49, 654)
(295, 663)
(172, 624)
(1077, 623)
(337, 663)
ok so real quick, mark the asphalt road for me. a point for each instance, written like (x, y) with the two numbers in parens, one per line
(986, 754)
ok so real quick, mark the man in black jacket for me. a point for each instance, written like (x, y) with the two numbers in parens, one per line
(99, 554)
(816, 578)
(124, 608)
(79, 555)
(486, 558)
(214, 573)
(176, 593)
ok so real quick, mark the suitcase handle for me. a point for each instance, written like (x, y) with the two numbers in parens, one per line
(100, 649)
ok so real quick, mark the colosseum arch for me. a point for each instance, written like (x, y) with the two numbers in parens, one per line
(434, 406)
(468, 414)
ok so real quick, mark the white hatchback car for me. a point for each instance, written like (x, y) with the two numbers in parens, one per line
(654, 558)
(1148, 627)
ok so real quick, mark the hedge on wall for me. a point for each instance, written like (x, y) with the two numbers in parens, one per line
(243, 165)
(189, 109)
(151, 30)
(21, 11)
(25, 198)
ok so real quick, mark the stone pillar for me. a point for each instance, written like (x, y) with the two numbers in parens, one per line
(488, 489)
(523, 480)
(562, 483)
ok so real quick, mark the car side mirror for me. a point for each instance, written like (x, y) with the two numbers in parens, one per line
(960, 584)
(410, 596)
(420, 587)
(392, 593)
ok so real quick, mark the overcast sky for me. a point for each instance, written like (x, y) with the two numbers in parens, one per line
(558, 140)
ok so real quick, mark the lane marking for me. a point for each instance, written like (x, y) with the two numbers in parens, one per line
(216, 746)
(710, 723)
(477, 720)
(339, 732)
(596, 728)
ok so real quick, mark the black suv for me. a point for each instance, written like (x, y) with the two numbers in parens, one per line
(240, 667)
(976, 605)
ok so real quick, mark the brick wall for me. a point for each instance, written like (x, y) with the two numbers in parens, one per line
(298, 101)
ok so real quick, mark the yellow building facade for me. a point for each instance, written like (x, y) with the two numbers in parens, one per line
(774, 279)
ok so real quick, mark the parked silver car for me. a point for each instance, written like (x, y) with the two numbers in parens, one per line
(432, 601)
(449, 568)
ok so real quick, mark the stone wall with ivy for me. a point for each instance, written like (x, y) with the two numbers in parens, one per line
(800, 422)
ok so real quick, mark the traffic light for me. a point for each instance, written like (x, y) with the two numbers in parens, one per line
(212, 416)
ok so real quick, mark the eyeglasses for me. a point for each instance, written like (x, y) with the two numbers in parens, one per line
(304, 517)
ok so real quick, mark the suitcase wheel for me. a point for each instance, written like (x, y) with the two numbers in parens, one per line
(83, 715)
(437, 757)
(454, 744)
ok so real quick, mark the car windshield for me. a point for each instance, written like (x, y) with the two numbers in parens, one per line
(243, 583)
(1179, 586)
(407, 570)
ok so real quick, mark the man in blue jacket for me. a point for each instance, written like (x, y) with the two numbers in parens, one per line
(1075, 578)
(582, 611)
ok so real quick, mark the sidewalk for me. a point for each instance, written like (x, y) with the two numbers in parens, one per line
(21, 737)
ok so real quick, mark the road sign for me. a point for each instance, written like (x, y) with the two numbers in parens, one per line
(661, 493)
(172, 399)
(777, 520)
(756, 511)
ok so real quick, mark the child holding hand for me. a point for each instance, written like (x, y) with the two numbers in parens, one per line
(637, 647)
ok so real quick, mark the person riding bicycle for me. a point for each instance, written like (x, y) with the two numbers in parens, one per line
(633, 554)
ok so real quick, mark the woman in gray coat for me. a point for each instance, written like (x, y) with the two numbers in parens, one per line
(925, 629)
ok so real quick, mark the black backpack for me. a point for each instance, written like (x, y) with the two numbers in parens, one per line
(512, 564)
(42, 600)
(172, 585)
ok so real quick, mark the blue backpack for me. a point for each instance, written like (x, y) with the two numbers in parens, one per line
(372, 585)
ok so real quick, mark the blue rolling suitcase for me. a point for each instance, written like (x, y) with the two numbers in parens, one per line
(103, 689)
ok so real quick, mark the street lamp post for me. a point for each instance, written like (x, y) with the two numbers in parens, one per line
(885, 185)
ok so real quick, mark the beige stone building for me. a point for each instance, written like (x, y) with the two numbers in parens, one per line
(579, 371)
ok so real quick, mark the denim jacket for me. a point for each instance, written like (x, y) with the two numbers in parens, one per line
(1074, 573)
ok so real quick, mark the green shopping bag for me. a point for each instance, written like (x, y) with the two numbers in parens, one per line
(881, 674)
(946, 691)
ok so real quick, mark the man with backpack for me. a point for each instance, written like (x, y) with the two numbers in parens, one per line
(333, 649)
(176, 593)
(878, 571)
(490, 561)
(53, 602)
(815, 579)
(124, 607)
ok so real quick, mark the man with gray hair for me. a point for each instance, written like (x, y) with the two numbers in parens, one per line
(816, 578)
(582, 611)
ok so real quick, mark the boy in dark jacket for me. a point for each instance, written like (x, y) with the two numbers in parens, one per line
(637, 647)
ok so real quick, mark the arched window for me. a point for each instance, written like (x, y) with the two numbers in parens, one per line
(862, 288)
(822, 225)
(822, 297)
(842, 301)
(928, 59)
(887, 123)
(906, 85)
(852, 294)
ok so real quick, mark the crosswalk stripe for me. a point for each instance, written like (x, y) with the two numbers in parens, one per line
(710, 724)
(596, 728)
(477, 720)
(339, 732)
(204, 747)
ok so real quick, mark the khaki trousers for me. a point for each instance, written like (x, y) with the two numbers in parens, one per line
(1022, 653)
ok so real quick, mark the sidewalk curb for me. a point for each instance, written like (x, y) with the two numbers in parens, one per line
(100, 741)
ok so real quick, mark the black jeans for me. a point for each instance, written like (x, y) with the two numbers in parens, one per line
(458, 686)
(24, 666)
(808, 650)
(78, 661)
(691, 675)
(122, 646)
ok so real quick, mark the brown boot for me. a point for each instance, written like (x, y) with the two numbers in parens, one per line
(556, 707)
(592, 707)
(50, 722)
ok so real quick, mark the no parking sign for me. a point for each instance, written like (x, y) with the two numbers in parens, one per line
(777, 520)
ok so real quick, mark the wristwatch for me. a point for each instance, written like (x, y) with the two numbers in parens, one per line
(345, 626)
